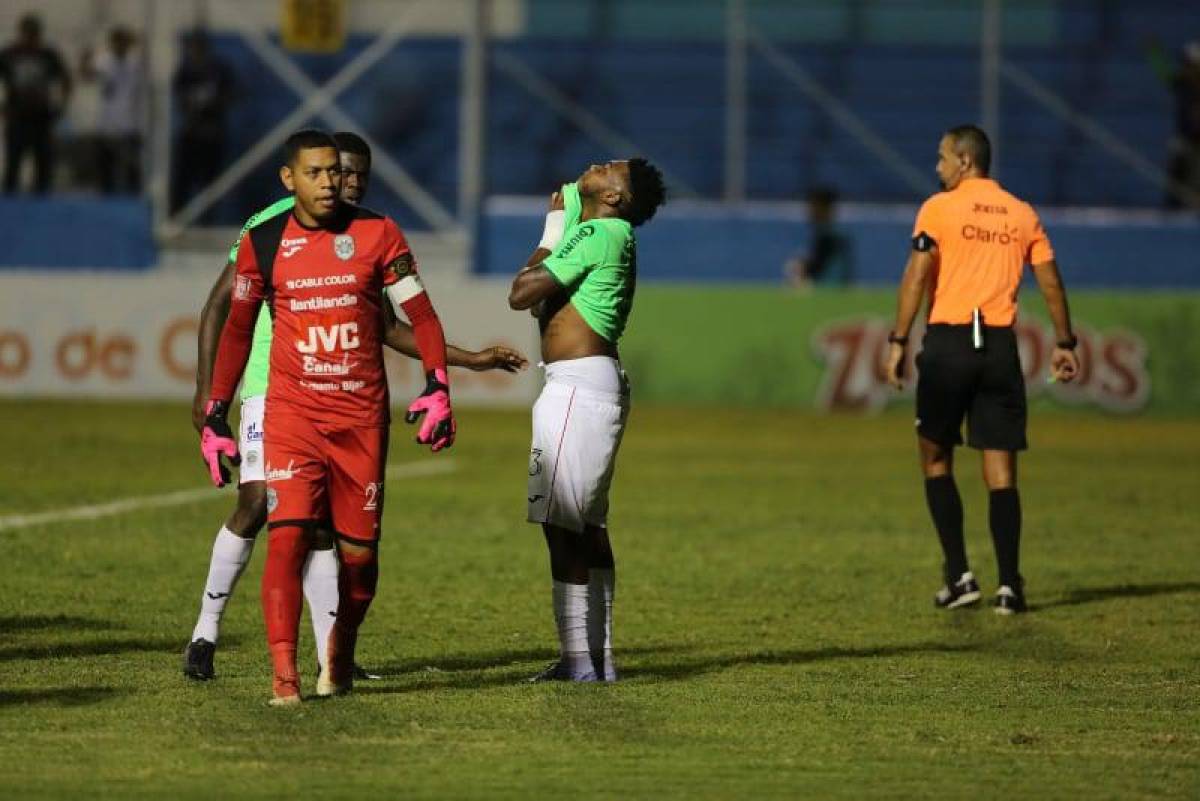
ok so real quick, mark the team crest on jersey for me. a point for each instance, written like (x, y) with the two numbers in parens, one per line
(343, 246)
(241, 287)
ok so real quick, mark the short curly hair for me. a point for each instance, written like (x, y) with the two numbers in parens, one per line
(647, 191)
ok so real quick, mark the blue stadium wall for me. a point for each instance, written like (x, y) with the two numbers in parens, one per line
(655, 71)
(708, 242)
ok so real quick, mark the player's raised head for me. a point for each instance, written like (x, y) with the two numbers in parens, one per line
(964, 152)
(647, 191)
(632, 190)
(356, 165)
(312, 171)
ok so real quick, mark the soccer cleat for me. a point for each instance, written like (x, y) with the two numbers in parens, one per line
(285, 691)
(552, 672)
(361, 674)
(1008, 601)
(198, 660)
(964, 592)
(557, 671)
(327, 687)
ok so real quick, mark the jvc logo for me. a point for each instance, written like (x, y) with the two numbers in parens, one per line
(326, 339)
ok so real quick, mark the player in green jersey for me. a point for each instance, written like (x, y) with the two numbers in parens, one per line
(580, 282)
(235, 541)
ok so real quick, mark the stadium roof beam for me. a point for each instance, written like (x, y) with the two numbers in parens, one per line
(320, 101)
(607, 137)
(918, 180)
(1097, 133)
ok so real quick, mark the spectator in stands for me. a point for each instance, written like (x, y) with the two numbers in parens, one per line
(1184, 80)
(36, 88)
(203, 88)
(120, 72)
(830, 257)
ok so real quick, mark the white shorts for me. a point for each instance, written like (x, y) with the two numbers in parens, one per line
(250, 440)
(578, 422)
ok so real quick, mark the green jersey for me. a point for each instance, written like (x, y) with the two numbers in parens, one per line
(258, 366)
(596, 262)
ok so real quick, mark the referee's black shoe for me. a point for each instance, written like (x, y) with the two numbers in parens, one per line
(964, 592)
(1008, 601)
(198, 660)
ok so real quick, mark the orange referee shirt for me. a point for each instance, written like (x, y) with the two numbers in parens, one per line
(985, 237)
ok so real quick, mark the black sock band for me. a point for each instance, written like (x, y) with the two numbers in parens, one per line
(1004, 515)
(945, 506)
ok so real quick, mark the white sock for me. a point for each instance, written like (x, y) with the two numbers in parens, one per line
(321, 592)
(230, 554)
(570, 614)
(601, 586)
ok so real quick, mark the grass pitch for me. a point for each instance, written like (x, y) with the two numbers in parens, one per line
(774, 623)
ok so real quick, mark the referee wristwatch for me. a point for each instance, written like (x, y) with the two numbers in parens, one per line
(1070, 343)
(896, 339)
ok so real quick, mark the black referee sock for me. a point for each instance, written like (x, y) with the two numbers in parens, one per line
(1004, 515)
(945, 506)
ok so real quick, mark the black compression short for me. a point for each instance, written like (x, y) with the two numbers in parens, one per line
(954, 380)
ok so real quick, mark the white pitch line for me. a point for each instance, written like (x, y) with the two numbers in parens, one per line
(182, 497)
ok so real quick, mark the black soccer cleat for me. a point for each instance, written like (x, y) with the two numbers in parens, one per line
(198, 660)
(555, 671)
(964, 592)
(360, 674)
(1008, 601)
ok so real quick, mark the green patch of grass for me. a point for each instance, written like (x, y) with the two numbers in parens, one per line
(774, 623)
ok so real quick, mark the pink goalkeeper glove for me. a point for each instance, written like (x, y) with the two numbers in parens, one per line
(216, 440)
(437, 429)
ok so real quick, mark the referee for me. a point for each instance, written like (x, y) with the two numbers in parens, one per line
(970, 244)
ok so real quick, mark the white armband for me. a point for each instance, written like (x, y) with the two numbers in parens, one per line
(552, 233)
(404, 290)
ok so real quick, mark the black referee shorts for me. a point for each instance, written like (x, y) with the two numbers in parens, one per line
(986, 386)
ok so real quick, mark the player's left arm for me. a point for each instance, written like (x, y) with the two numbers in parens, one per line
(398, 335)
(913, 287)
(406, 292)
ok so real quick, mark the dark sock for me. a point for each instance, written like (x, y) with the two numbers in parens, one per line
(1004, 515)
(945, 506)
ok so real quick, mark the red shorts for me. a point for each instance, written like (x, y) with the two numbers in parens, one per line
(318, 472)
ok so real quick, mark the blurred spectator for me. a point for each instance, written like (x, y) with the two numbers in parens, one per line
(1184, 80)
(203, 89)
(36, 85)
(120, 73)
(830, 257)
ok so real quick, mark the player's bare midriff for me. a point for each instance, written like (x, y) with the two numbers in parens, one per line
(565, 335)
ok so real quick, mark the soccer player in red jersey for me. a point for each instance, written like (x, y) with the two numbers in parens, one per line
(324, 270)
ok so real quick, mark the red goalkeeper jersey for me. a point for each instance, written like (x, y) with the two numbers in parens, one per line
(325, 290)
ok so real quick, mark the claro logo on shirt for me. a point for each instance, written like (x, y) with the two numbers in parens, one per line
(976, 233)
(329, 338)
